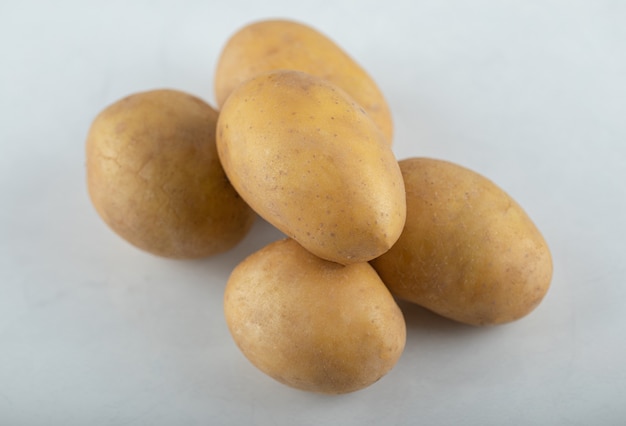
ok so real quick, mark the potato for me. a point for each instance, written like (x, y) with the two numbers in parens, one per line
(468, 251)
(312, 324)
(281, 44)
(311, 162)
(154, 176)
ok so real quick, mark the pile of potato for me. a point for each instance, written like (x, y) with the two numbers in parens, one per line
(303, 138)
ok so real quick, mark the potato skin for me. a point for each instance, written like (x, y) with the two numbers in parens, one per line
(312, 324)
(283, 44)
(154, 176)
(310, 161)
(468, 251)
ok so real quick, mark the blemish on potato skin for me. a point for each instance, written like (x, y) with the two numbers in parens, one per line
(121, 127)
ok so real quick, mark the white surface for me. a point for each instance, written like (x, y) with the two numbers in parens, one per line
(531, 94)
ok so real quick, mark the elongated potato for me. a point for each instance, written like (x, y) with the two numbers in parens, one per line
(154, 176)
(282, 44)
(468, 251)
(312, 324)
(310, 161)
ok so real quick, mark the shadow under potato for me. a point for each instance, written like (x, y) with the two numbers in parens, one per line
(421, 319)
(222, 264)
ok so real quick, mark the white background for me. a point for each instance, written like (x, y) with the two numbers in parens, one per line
(531, 94)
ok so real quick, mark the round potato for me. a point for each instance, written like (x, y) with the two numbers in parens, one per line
(311, 162)
(312, 324)
(468, 251)
(282, 44)
(154, 176)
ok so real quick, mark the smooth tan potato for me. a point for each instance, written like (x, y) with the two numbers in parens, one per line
(311, 162)
(312, 324)
(468, 251)
(154, 176)
(281, 44)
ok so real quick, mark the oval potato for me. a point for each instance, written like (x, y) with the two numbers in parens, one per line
(282, 44)
(312, 324)
(154, 176)
(468, 251)
(311, 162)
